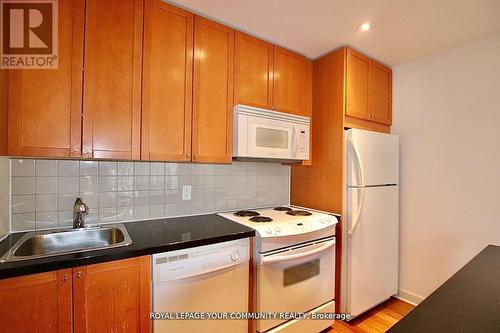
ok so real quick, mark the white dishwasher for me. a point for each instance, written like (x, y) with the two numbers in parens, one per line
(205, 279)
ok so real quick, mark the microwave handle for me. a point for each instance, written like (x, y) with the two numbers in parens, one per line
(286, 257)
(295, 141)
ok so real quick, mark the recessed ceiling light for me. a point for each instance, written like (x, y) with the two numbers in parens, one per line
(364, 27)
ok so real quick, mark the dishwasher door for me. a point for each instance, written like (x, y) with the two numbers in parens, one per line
(206, 279)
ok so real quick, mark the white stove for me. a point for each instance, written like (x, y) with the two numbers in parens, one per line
(294, 260)
(286, 225)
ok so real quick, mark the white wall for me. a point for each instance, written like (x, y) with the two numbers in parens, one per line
(447, 113)
(4, 196)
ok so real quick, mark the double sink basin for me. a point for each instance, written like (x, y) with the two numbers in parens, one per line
(51, 243)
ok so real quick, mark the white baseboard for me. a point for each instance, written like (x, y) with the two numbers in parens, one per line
(409, 297)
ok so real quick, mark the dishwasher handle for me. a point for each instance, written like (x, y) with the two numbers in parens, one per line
(205, 272)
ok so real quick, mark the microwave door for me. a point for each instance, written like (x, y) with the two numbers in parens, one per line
(271, 139)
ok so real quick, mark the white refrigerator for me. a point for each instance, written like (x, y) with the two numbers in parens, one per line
(370, 229)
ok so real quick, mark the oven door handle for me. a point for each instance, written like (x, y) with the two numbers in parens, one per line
(279, 258)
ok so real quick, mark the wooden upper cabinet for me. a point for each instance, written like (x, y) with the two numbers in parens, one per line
(40, 303)
(381, 93)
(357, 90)
(307, 104)
(112, 93)
(288, 81)
(167, 85)
(112, 296)
(212, 92)
(253, 71)
(44, 105)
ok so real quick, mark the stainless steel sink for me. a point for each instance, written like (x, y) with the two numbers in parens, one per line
(51, 243)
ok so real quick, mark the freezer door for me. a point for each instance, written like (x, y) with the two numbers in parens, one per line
(372, 158)
(372, 247)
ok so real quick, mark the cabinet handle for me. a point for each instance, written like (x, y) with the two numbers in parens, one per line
(78, 274)
(65, 278)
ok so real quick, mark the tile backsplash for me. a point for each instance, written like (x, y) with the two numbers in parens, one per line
(43, 191)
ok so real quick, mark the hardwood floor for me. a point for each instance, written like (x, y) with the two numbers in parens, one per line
(379, 319)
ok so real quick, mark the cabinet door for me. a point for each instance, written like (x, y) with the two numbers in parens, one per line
(358, 78)
(288, 81)
(381, 93)
(212, 92)
(167, 87)
(38, 303)
(307, 104)
(112, 296)
(253, 71)
(45, 104)
(112, 93)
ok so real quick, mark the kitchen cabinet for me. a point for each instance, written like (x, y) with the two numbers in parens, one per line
(44, 106)
(212, 92)
(288, 81)
(112, 296)
(270, 77)
(368, 96)
(381, 93)
(106, 297)
(307, 104)
(253, 71)
(113, 65)
(39, 303)
(357, 81)
(167, 86)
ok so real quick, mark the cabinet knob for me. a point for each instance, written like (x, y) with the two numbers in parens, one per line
(66, 277)
(78, 274)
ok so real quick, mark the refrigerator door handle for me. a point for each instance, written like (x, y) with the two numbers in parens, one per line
(358, 211)
(361, 173)
(361, 185)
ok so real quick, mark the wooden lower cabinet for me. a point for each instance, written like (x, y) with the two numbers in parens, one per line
(107, 297)
(112, 296)
(37, 303)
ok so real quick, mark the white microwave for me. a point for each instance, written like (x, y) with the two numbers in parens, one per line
(265, 134)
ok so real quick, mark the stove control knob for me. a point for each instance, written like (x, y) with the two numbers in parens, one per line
(268, 230)
(277, 229)
(235, 256)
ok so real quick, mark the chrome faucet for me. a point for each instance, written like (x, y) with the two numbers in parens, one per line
(79, 210)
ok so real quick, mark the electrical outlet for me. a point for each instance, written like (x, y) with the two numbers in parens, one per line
(186, 192)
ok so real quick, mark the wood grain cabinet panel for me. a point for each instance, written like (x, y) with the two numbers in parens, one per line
(381, 93)
(212, 92)
(253, 71)
(38, 303)
(167, 86)
(112, 93)
(357, 85)
(288, 81)
(44, 105)
(112, 297)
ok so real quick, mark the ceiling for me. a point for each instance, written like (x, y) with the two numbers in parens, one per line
(401, 30)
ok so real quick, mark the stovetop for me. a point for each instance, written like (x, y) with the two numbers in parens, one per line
(282, 221)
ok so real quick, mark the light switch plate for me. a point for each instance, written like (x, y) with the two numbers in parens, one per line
(186, 192)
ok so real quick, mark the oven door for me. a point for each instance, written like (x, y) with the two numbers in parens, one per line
(296, 279)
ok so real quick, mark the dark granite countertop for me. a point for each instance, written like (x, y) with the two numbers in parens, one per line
(148, 237)
(468, 302)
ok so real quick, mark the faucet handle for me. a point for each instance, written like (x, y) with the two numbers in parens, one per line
(80, 207)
